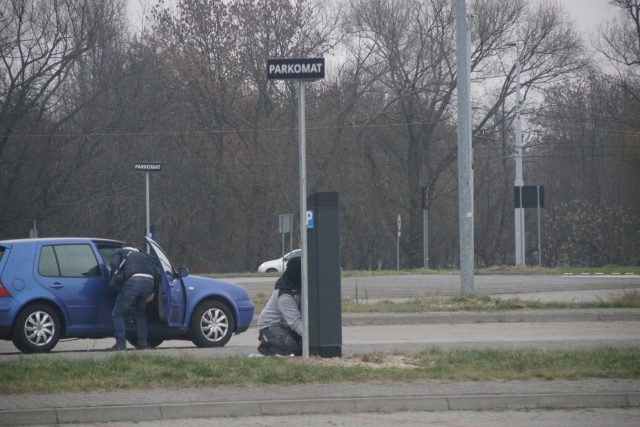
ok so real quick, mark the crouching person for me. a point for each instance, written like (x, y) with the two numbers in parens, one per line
(280, 322)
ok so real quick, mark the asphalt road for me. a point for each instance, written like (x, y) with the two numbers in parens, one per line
(396, 338)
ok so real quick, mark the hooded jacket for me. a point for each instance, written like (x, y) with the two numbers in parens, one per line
(135, 262)
(283, 307)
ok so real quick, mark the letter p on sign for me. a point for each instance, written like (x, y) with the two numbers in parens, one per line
(310, 219)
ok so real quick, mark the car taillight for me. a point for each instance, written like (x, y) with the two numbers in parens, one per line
(4, 293)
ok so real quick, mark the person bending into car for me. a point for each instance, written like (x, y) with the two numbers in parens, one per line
(134, 276)
(280, 321)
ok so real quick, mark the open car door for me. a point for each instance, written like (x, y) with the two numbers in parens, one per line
(171, 292)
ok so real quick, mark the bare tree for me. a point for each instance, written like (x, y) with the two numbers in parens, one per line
(41, 43)
(217, 51)
(584, 148)
(619, 42)
(407, 51)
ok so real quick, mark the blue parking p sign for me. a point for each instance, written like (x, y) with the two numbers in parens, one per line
(310, 219)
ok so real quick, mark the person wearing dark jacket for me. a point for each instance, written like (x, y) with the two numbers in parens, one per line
(280, 322)
(134, 276)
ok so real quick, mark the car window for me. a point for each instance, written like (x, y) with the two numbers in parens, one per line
(2, 249)
(48, 265)
(167, 267)
(292, 254)
(68, 261)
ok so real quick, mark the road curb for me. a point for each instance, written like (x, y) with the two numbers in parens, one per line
(472, 402)
(608, 315)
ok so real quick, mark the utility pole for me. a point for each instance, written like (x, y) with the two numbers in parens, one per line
(519, 182)
(465, 172)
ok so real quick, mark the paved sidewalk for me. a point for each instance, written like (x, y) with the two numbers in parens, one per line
(146, 405)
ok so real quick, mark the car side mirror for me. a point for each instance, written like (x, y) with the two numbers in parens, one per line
(183, 271)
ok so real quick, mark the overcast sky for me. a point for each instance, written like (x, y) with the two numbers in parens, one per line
(587, 14)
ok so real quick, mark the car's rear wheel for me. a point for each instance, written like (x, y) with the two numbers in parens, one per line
(271, 270)
(212, 324)
(37, 329)
(152, 341)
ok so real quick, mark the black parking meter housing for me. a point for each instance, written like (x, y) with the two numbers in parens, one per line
(323, 249)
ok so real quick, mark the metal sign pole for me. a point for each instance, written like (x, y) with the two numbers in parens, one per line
(300, 69)
(425, 229)
(146, 179)
(283, 263)
(398, 242)
(147, 167)
(539, 242)
(303, 222)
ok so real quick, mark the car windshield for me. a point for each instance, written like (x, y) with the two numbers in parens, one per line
(293, 254)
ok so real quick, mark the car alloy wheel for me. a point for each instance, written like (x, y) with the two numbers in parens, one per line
(212, 324)
(37, 329)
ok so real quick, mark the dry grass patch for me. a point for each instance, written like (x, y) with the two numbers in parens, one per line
(372, 361)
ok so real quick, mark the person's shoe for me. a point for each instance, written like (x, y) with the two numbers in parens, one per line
(117, 347)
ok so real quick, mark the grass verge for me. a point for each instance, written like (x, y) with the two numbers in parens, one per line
(496, 269)
(479, 303)
(483, 303)
(133, 370)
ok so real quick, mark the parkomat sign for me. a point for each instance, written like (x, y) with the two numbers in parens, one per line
(295, 69)
(147, 167)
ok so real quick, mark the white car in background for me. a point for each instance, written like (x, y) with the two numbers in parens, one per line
(278, 265)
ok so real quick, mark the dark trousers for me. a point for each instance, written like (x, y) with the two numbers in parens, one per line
(279, 340)
(133, 295)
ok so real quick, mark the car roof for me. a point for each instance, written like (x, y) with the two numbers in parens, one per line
(60, 240)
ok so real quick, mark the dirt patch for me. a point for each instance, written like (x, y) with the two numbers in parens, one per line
(373, 361)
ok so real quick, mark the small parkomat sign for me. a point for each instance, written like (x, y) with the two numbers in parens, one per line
(295, 69)
(147, 166)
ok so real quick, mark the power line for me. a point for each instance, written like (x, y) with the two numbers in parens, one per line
(221, 131)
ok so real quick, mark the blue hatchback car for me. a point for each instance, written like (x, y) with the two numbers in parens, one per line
(55, 288)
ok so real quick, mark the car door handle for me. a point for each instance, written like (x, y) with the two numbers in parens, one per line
(57, 285)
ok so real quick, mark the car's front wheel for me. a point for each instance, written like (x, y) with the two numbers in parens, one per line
(37, 329)
(212, 324)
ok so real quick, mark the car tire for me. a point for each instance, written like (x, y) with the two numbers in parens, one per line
(37, 329)
(212, 324)
(152, 341)
(272, 270)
